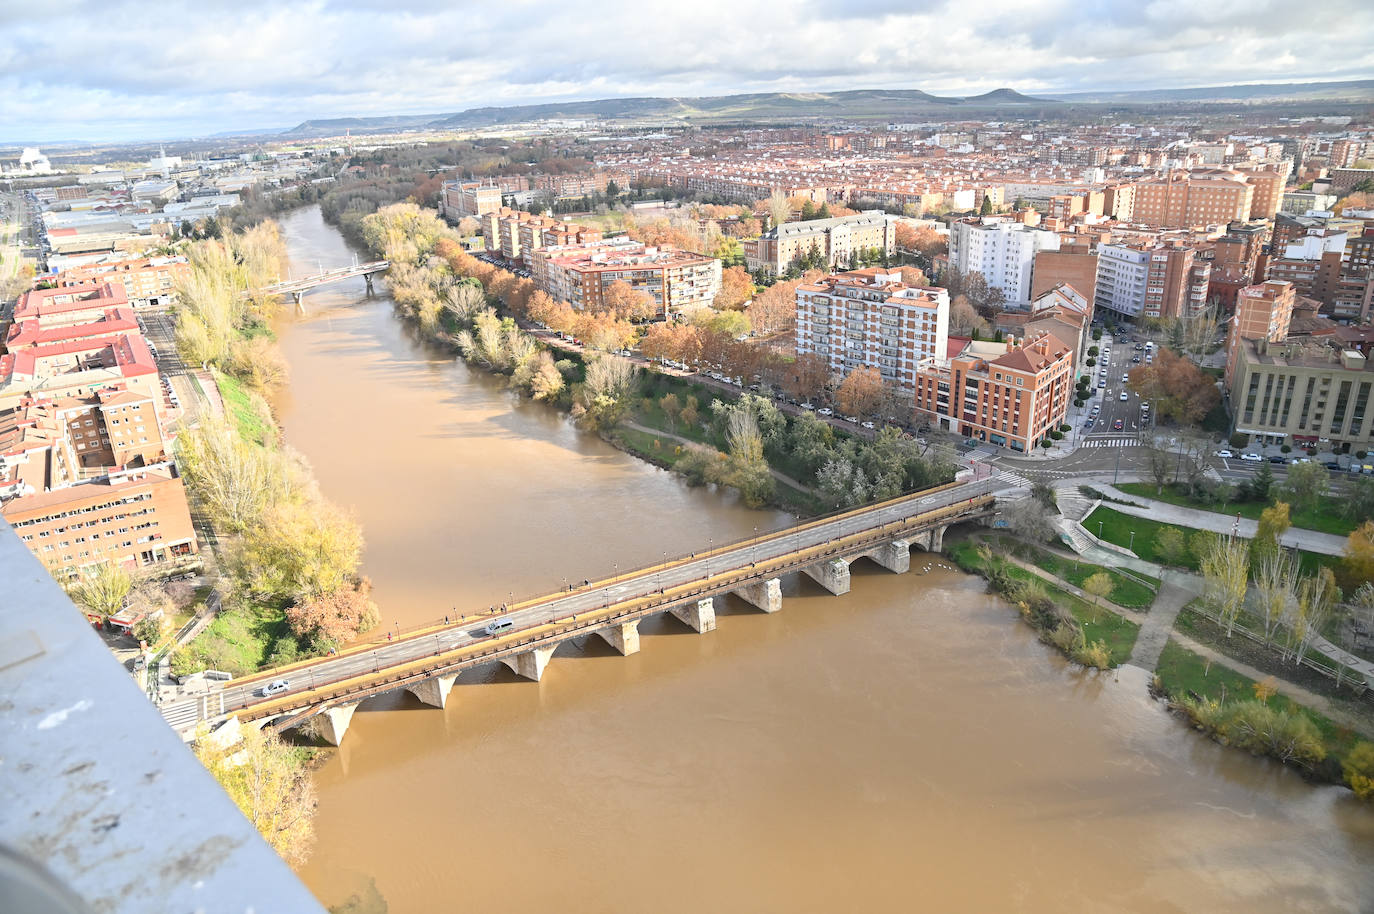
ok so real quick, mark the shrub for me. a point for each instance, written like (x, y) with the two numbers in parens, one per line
(1238, 439)
(1311, 452)
(1096, 655)
(1045, 443)
(1361, 454)
(1056, 434)
(1068, 639)
(1286, 449)
(1066, 427)
(1358, 769)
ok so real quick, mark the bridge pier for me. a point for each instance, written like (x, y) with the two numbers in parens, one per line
(833, 575)
(623, 636)
(932, 540)
(894, 556)
(531, 663)
(334, 723)
(299, 299)
(699, 616)
(766, 595)
(433, 692)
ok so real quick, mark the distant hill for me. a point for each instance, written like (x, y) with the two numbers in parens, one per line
(1353, 90)
(794, 106)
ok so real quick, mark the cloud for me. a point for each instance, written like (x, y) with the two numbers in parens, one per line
(121, 68)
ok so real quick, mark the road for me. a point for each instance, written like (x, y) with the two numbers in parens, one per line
(596, 598)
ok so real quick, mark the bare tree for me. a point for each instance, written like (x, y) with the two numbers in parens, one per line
(1275, 583)
(1226, 571)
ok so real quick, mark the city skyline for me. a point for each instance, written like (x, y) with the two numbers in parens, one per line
(219, 68)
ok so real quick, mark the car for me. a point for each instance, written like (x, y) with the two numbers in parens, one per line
(275, 687)
(825, 411)
(1277, 460)
(1301, 460)
(1088, 424)
(1138, 347)
(1252, 457)
(1125, 378)
(869, 425)
(1135, 361)
(1116, 426)
(1332, 465)
(851, 419)
(1124, 396)
(1102, 382)
(808, 405)
(1224, 452)
(496, 626)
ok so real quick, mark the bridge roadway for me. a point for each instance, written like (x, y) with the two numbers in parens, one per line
(305, 283)
(540, 624)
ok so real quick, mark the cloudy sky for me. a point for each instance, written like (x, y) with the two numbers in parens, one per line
(137, 69)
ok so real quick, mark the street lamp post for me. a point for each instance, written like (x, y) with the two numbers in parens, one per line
(1132, 545)
(1099, 529)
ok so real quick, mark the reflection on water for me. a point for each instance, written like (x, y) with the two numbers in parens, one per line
(909, 746)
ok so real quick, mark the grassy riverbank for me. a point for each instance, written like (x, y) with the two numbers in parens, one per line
(1325, 517)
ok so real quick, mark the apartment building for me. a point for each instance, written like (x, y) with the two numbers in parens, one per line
(516, 234)
(1011, 394)
(1001, 249)
(74, 304)
(78, 368)
(459, 199)
(31, 333)
(679, 282)
(1263, 312)
(837, 240)
(1144, 280)
(1185, 199)
(86, 479)
(1302, 391)
(870, 318)
(1072, 264)
(1062, 311)
(147, 281)
(1300, 202)
(134, 517)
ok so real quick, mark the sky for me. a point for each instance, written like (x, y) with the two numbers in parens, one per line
(125, 70)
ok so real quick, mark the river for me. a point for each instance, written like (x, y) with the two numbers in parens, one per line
(908, 746)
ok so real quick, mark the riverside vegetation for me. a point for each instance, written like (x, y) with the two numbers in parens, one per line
(744, 442)
(288, 556)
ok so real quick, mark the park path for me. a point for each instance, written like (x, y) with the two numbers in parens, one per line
(1176, 590)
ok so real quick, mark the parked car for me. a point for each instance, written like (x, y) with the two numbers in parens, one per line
(869, 425)
(1087, 425)
(1102, 382)
(808, 405)
(1224, 452)
(1252, 458)
(1277, 460)
(1332, 465)
(825, 411)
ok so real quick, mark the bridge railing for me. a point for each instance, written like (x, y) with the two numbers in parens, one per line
(557, 631)
(633, 607)
(527, 600)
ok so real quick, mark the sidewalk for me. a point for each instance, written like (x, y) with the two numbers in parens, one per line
(1198, 519)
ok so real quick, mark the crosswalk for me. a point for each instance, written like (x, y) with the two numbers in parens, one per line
(1110, 442)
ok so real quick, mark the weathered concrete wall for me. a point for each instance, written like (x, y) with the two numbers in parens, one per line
(699, 616)
(433, 692)
(334, 723)
(623, 636)
(833, 575)
(531, 663)
(895, 556)
(766, 595)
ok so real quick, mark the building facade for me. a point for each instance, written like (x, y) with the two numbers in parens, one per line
(1010, 394)
(679, 282)
(837, 240)
(1002, 250)
(870, 318)
(1186, 199)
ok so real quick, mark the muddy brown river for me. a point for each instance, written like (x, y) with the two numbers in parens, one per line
(907, 747)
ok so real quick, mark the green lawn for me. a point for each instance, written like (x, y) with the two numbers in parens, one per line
(239, 641)
(1117, 527)
(1181, 671)
(1325, 518)
(1098, 623)
(1125, 592)
(239, 405)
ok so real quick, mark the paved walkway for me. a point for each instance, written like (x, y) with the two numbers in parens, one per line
(1155, 632)
(1198, 519)
(1175, 592)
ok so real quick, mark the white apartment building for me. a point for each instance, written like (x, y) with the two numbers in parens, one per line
(1002, 250)
(1121, 275)
(870, 318)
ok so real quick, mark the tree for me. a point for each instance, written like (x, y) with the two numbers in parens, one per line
(607, 387)
(747, 468)
(690, 413)
(1179, 389)
(1307, 484)
(270, 785)
(337, 617)
(736, 287)
(1357, 561)
(861, 392)
(1099, 585)
(302, 550)
(1273, 521)
(807, 376)
(671, 408)
(964, 319)
(1276, 587)
(1225, 571)
(1028, 518)
(628, 303)
(775, 308)
(779, 208)
(102, 588)
(1317, 597)
(1170, 546)
(986, 208)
